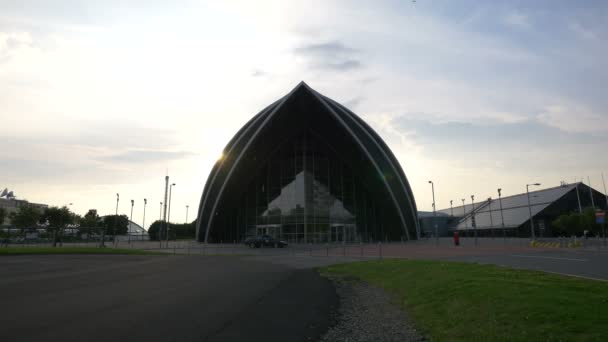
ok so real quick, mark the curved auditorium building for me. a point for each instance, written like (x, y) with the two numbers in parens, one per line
(307, 170)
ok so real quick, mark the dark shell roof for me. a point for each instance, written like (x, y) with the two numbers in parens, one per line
(368, 141)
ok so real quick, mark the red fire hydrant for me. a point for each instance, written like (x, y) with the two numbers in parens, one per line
(456, 239)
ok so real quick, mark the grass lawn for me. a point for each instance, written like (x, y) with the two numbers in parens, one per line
(462, 301)
(73, 250)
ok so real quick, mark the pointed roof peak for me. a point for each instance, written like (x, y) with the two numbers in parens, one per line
(302, 85)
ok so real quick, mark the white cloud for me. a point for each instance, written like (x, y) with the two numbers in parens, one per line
(573, 118)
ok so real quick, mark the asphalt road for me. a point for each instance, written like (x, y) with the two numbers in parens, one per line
(160, 298)
(579, 263)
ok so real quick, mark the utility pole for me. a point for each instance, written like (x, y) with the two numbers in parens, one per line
(187, 206)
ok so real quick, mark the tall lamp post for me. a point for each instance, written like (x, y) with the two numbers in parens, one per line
(130, 220)
(530, 208)
(464, 213)
(187, 206)
(160, 228)
(490, 212)
(502, 219)
(451, 209)
(116, 217)
(434, 212)
(473, 218)
(169, 214)
(143, 223)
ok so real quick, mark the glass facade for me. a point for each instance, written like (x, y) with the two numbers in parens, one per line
(307, 170)
(304, 193)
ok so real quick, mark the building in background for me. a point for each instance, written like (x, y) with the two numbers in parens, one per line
(308, 170)
(546, 205)
(11, 205)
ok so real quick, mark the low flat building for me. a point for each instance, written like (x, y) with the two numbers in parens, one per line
(510, 215)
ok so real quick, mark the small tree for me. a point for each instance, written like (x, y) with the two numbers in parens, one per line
(116, 224)
(25, 217)
(57, 219)
(90, 219)
(154, 229)
(2, 215)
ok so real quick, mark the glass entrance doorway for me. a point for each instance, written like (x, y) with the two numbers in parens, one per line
(273, 230)
(342, 233)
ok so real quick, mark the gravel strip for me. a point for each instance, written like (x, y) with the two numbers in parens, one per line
(367, 314)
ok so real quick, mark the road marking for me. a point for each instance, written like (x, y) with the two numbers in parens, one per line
(577, 276)
(546, 257)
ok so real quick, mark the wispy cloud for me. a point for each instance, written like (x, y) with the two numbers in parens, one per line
(330, 55)
(147, 156)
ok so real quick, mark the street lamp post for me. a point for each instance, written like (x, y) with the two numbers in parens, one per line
(434, 212)
(530, 208)
(187, 206)
(473, 218)
(116, 217)
(160, 227)
(464, 213)
(491, 220)
(143, 223)
(169, 214)
(451, 209)
(502, 219)
(130, 220)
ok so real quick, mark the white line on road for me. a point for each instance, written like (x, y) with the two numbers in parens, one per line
(546, 257)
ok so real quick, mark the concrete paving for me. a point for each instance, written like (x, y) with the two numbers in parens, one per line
(160, 298)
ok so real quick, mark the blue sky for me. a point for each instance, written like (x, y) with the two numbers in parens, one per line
(104, 97)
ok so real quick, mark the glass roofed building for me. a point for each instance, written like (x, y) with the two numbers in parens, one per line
(510, 215)
(307, 169)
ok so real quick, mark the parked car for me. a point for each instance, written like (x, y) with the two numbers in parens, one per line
(264, 241)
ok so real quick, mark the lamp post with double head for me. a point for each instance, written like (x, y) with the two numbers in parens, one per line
(530, 209)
